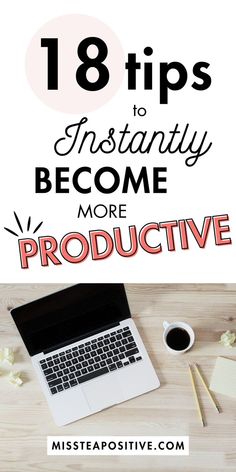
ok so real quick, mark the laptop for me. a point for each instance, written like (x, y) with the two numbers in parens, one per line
(85, 349)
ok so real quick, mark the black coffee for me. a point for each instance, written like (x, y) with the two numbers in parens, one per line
(178, 339)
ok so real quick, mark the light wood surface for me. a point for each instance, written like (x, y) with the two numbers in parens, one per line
(25, 420)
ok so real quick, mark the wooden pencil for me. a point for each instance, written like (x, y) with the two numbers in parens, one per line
(207, 388)
(199, 409)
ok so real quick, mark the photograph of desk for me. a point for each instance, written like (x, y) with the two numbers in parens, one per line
(25, 421)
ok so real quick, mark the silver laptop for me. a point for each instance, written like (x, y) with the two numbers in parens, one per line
(85, 349)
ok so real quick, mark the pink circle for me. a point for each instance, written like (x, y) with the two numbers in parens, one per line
(70, 30)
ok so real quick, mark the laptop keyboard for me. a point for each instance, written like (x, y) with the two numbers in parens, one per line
(89, 360)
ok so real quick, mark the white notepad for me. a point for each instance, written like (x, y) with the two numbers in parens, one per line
(224, 377)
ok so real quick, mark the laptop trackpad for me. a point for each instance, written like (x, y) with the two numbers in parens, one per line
(103, 392)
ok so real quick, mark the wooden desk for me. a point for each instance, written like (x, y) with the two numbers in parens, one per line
(25, 420)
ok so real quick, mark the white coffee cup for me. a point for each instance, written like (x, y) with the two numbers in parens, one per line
(178, 324)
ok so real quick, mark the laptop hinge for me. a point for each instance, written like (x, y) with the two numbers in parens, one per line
(79, 338)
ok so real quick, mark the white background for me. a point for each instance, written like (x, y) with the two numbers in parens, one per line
(182, 31)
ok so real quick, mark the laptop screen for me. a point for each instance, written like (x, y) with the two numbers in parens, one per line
(69, 315)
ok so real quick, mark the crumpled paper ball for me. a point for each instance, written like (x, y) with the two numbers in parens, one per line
(227, 339)
(15, 379)
(7, 355)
